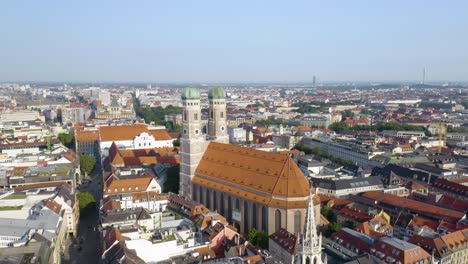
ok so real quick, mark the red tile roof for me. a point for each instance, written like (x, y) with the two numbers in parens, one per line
(415, 206)
(285, 240)
(264, 174)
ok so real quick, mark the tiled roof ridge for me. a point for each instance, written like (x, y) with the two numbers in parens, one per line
(286, 163)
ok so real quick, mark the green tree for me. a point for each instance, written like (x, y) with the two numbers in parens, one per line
(349, 224)
(339, 127)
(87, 163)
(157, 114)
(365, 111)
(301, 147)
(172, 179)
(176, 143)
(331, 229)
(346, 113)
(328, 213)
(258, 238)
(67, 139)
(86, 202)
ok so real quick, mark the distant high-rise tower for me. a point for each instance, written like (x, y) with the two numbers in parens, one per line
(314, 82)
(423, 76)
(311, 247)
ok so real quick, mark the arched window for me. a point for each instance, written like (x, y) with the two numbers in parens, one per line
(254, 216)
(200, 194)
(215, 201)
(229, 209)
(277, 219)
(208, 204)
(221, 207)
(297, 222)
(246, 217)
(264, 218)
(195, 116)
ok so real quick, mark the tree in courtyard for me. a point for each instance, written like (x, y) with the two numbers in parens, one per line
(172, 179)
(87, 163)
(66, 139)
(258, 238)
(328, 213)
(331, 229)
(86, 202)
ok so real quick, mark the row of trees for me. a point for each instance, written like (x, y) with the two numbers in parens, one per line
(317, 106)
(276, 122)
(157, 114)
(316, 151)
(380, 126)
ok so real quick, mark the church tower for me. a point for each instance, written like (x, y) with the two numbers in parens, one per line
(217, 129)
(311, 247)
(192, 142)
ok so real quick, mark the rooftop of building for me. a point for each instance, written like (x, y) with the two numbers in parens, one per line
(129, 132)
(285, 240)
(265, 174)
(415, 206)
(86, 135)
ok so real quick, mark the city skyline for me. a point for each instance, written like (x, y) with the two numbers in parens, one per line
(233, 42)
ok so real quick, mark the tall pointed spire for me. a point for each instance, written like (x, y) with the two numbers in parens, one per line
(311, 247)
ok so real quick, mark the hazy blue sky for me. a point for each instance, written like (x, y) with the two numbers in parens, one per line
(233, 40)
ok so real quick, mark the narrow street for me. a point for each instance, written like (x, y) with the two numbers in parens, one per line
(86, 247)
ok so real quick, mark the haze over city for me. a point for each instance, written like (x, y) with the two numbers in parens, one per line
(233, 41)
(234, 132)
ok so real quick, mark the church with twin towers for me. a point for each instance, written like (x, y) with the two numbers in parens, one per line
(193, 142)
(251, 188)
